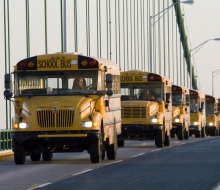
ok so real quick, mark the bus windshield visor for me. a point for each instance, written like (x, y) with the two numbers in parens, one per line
(58, 83)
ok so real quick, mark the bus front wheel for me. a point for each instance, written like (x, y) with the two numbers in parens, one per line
(19, 154)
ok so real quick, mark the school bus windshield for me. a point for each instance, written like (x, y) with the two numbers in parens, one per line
(177, 98)
(146, 91)
(58, 83)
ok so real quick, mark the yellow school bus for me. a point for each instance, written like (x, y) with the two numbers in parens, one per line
(64, 102)
(181, 113)
(197, 114)
(212, 116)
(146, 107)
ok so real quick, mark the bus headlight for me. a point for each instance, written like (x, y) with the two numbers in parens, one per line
(195, 123)
(24, 125)
(177, 120)
(153, 120)
(86, 124)
(210, 124)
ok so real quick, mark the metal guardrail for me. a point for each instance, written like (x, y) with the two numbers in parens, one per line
(5, 139)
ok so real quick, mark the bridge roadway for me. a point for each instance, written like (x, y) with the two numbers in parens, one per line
(189, 165)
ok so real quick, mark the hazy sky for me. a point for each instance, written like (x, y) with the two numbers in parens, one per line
(202, 22)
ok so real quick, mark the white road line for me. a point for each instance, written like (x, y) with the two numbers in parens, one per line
(155, 150)
(138, 155)
(82, 172)
(42, 185)
(114, 162)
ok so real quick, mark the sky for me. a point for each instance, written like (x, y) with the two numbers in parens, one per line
(202, 23)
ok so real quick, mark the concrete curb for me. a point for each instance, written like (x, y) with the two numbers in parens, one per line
(6, 155)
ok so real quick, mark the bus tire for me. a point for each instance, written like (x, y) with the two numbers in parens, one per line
(47, 156)
(167, 140)
(35, 156)
(159, 139)
(121, 143)
(19, 154)
(186, 134)
(203, 132)
(95, 151)
(111, 149)
(197, 134)
(180, 133)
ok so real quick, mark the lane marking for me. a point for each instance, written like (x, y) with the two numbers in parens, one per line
(82, 172)
(114, 162)
(137, 155)
(42, 185)
(155, 150)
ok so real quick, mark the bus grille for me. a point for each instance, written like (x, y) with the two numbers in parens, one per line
(51, 119)
(133, 112)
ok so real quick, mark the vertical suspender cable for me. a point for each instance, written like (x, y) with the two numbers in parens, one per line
(148, 43)
(116, 33)
(110, 33)
(154, 41)
(97, 28)
(164, 40)
(45, 24)
(177, 82)
(168, 37)
(9, 63)
(131, 35)
(159, 42)
(107, 37)
(75, 26)
(64, 27)
(128, 63)
(6, 71)
(27, 29)
(61, 19)
(138, 46)
(119, 34)
(173, 65)
(141, 15)
(100, 29)
(124, 33)
(135, 56)
(143, 12)
(87, 29)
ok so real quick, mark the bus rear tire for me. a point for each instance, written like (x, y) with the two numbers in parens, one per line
(19, 154)
(186, 134)
(35, 156)
(47, 156)
(121, 143)
(167, 140)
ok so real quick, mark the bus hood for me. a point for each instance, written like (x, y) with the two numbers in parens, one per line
(138, 108)
(176, 111)
(75, 103)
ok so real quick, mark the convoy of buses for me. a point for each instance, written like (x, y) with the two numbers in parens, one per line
(67, 102)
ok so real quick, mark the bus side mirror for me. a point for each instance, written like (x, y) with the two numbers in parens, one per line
(167, 97)
(7, 94)
(187, 99)
(108, 81)
(7, 81)
(218, 106)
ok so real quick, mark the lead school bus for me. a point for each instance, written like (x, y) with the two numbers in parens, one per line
(144, 116)
(181, 113)
(53, 113)
(197, 114)
(212, 116)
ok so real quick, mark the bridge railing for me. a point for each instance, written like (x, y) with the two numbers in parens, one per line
(5, 139)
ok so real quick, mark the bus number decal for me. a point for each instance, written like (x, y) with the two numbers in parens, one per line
(130, 78)
(65, 64)
(138, 78)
